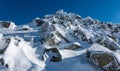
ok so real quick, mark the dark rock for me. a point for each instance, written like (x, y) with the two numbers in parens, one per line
(103, 58)
(26, 28)
(87, 54)
(73, 46)
(5, 24)
(39, 22)
(2, 50)
(2, 61)
(78, 17)
(54, 54)
(6, 65)
(8, 40)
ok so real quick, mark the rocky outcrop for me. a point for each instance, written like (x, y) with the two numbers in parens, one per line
(7, 24)
(37, 22)
(103, 58)
(53, 54)
(72, 46)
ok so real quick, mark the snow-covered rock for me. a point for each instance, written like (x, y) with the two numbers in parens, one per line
(36, 22)
(26, 28)
(103, 57)
(7, 24)
(52, 54)
(71, 46)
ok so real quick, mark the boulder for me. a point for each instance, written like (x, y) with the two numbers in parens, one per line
(73, 46)
(103, 58)
(7, 24)
(2, 61)
(39, 22)
(83, 34)
(107, 42)
(36, 22)
(53, 55)
(26, 28)
(78, 17)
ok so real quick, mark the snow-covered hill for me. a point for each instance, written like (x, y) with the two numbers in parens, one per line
(60, 42)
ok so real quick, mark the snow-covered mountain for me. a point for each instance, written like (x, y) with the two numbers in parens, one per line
(60, 42)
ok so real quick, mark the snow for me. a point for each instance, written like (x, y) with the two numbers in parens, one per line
(25, 26)
(71, 53)
(72, 61)
(3, 45)
(21, 57)
(1, 35)
(13, 57)
(117, 55)
(12, 25)
(97, 47)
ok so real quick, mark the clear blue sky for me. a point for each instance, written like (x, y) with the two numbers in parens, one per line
(23, 11)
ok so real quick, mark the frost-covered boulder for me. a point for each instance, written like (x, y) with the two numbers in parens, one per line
(83, 34)
(72, 46)
(26, 28)
(37, 22)
(7, 24)
(52, 54)
(107, 42)
(103, 58)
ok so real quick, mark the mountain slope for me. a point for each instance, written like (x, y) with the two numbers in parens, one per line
(60, 42)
